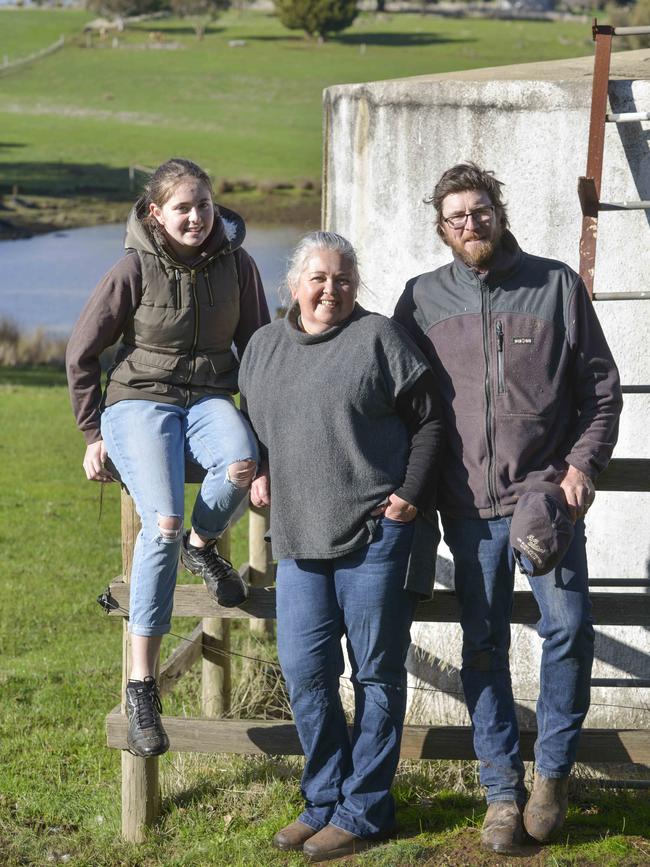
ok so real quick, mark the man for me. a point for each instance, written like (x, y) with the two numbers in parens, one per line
(531, 395)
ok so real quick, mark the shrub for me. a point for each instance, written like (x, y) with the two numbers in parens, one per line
(317, 17)
(25, 350)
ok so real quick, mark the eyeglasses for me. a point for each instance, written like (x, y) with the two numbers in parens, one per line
(480, 215)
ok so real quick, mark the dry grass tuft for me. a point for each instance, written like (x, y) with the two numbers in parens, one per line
(18, 349)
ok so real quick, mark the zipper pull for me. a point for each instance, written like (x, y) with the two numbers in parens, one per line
(177, 277)
(501, 376)
(209, 286)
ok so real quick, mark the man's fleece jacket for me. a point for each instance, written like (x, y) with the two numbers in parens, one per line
(527, 380)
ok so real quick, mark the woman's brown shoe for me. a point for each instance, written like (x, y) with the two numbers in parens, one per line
(293, 836)
(333, 842)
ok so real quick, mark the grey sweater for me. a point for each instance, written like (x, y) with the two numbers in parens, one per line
(324, 405)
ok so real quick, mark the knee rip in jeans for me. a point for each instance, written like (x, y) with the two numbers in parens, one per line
(241, 473)
(171, 529)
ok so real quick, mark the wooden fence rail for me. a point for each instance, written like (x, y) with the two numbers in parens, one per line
(192, 600)
(208, 643)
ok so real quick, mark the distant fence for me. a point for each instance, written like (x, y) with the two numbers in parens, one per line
(9, 66)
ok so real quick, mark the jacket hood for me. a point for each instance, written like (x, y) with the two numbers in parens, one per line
(227, 235)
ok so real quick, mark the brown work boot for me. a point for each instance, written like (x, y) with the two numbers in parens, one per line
(293, 836)
(503, 829)
(333, 842)
(546, 808)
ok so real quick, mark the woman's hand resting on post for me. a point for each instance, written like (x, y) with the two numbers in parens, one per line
(396, 509)
(94, 463)
(261, 489)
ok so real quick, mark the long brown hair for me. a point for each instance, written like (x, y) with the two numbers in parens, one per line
(161, 186)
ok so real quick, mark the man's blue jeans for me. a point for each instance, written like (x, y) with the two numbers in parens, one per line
(484, 575)
(148, 442)
(346, 780)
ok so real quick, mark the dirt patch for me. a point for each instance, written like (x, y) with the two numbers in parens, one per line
(463, 849)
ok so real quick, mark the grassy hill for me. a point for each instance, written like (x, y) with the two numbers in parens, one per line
(74, 121)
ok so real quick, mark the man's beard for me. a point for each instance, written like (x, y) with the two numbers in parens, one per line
(481, 251)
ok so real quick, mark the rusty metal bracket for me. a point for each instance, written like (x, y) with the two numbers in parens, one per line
(588, 196)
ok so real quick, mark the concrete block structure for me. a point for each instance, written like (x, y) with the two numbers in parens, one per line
(385, 145)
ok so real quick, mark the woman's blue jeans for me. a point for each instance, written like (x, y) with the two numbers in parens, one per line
(149, 442)
(484, 575)
(347, 778)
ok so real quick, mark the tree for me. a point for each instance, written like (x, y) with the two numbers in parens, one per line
(317, 16)
(199, 12)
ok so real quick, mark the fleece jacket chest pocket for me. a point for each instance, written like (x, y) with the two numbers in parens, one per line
(530, 354)
(500, 339)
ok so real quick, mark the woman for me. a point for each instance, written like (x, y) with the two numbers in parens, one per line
(347, 410)
(181, 295)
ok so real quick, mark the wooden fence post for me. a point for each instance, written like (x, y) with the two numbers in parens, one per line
(216, 684)
(140, 782)
(260, 566)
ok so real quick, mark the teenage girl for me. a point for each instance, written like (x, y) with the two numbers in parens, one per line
(181, 297)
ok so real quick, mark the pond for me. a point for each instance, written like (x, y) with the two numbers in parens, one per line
(45, 280)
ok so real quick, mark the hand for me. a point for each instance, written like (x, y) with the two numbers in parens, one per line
(579, 492)
(396, 509)
(94, 460)
(261, 489)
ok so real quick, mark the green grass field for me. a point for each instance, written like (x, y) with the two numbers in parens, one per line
(74, 121)
(60, 673)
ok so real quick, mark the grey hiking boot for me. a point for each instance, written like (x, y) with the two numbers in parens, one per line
(547, 807)
(503, 828)
(146, 736)
(223, 581)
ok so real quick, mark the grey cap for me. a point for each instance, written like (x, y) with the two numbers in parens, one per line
(541, 530)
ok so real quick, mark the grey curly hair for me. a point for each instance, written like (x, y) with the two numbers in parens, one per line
(306, 247)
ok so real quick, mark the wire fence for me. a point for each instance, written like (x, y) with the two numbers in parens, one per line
(9, 66)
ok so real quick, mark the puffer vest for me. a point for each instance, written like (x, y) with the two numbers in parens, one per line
(176, 346)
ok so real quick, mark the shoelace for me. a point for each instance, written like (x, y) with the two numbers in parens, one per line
(221, 567)
(147, 701)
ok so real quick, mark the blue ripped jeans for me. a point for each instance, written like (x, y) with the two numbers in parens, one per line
(149, 442)
(347, 779)
(484, 575)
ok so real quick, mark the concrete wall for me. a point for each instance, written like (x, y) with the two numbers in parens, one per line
(386, 144)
